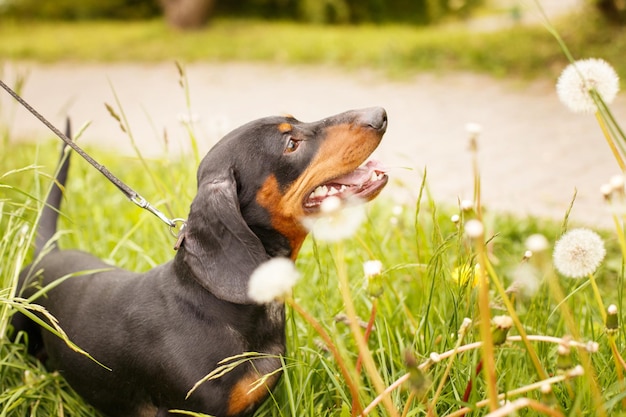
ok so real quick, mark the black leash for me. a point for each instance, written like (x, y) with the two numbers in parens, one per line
(131, 194)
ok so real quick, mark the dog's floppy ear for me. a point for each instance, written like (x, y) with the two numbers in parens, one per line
(219, 247)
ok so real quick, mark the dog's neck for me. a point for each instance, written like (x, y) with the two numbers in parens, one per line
(275, 244)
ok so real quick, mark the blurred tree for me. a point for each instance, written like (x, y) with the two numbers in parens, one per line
(187, 14)
(613, 10)
(325, 11)
(81, 9)
(349, 11)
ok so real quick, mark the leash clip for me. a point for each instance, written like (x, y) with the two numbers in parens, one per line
(143, 203)
(180, 236)
(173, 224)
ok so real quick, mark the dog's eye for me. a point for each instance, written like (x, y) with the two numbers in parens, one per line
(292, 145)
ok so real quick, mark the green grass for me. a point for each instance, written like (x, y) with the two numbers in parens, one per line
(393, 49)
(420, 310)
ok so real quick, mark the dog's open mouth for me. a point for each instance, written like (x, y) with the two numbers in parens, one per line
(363, 183)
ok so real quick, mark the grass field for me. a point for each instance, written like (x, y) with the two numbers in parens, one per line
(560, 358)
(420, 312)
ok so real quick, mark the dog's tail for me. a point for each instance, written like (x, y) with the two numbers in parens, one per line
(47, 226)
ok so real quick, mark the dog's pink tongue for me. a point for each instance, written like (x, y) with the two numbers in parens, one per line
(361, 174)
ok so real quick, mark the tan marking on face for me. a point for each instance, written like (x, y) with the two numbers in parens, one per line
(345, 147)
(285, 127)
(285, 217)
(242, 398)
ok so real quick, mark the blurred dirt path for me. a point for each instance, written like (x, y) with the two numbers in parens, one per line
(533, 152)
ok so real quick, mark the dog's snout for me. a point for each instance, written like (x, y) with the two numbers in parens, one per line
(375, 117)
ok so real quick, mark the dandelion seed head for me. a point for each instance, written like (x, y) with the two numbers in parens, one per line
(617, 183)
(272, 280)
(606, 190)
(466, 205)
(577, 79)
(466, 323)
(527, 278)
(545, 388)
(455, 218)
(578, 253)
(502, 322)
(473, 129)
(592, 347)
(330, 205)
(611, 321)
(338, 219)
(563, 349)
(537, 243)
(577, 371)
(371, 268)
(474, 229)
(435, 357)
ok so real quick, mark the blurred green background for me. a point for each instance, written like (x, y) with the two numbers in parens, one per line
(399, 37)
(319, 11)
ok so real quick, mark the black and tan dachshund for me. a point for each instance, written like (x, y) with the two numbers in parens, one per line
(162, 331)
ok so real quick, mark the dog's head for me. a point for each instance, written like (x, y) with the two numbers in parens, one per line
(257, 184)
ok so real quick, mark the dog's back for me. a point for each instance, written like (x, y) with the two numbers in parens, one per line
(46, 230)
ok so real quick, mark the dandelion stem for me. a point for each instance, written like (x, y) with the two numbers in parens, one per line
(611, 119)
(368, 331)
(620, 365)
(610, 142)
(368, 361)
(408, 404)
(475, 345)
(585, 361)
(619, 361)
(596, 293)
(485, 331)
(518, 391)
(359, 361)
(620, 235)
(551, 29)
(518, 324)
(520, 403)
(350, 381)
(484, 309)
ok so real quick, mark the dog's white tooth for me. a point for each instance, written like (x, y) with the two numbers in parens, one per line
(373, 177)
(343, 188)
(333, 191)
(321, 191)
(312, 195)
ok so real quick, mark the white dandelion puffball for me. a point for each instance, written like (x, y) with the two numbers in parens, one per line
(372, 268)
(474, 129)
(474, 229)
(272, 280)
(578, 253)
(537, 243)
(338, 220)
(577, 79)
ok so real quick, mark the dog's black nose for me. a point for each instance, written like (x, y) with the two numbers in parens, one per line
(375, 117)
